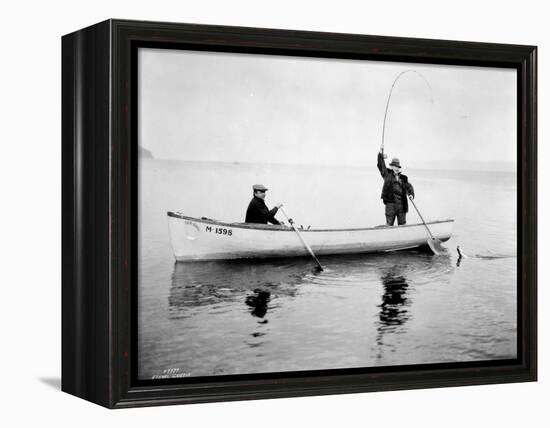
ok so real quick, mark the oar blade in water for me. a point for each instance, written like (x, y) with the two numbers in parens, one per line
(436, 246)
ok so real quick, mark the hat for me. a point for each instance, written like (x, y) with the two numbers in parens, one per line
(395, 162)
(259, 187)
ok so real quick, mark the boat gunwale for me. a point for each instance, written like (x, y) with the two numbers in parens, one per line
(276, 228)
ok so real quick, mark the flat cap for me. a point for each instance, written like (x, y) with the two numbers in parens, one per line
(259, 187)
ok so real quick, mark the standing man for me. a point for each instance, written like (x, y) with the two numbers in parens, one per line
(257, 211)
(395, 190)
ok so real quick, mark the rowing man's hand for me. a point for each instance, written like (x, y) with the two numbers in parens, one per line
(279, 205)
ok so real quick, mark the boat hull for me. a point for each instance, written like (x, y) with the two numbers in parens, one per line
(202, 239)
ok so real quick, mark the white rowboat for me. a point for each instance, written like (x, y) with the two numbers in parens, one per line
(206, 239)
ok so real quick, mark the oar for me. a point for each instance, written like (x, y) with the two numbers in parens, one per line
(433, 243)
(319, 267)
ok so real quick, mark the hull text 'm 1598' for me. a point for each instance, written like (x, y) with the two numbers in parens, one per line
(205, 239)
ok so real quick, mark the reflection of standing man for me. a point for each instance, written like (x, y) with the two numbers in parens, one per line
(393, 309)
(394, 299)
(395, 190)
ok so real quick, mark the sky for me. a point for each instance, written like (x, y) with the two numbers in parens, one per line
(231, 107)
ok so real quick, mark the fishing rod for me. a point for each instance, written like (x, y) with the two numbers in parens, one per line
(433, 243)
(389, 98)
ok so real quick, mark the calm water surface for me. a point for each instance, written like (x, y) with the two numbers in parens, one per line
(237, 317)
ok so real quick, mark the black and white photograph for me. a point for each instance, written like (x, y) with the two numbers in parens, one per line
(284, 214)
(302, 214)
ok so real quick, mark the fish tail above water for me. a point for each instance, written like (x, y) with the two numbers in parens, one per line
(461, 255)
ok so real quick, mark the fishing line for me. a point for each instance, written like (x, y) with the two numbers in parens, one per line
(390, 94)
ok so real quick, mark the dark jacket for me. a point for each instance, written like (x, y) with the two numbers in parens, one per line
(257, 212)
(391, 183)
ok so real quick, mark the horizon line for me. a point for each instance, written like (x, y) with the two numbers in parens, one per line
(415, 165)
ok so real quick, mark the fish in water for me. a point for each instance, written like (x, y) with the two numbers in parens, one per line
(461, 255)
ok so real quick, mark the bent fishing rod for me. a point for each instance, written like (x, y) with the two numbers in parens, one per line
(389, 98)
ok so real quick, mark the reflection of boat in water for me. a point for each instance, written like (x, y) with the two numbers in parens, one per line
(215, 282)
(263, 307)
(206, 239)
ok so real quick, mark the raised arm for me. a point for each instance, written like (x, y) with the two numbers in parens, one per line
(382, 165)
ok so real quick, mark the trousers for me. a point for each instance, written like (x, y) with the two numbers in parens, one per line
(394, 211)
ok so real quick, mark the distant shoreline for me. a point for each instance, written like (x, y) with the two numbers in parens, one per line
(473, 166)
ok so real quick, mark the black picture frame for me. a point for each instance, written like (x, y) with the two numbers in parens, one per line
(99, 182)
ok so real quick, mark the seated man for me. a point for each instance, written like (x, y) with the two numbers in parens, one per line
(257, 211)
